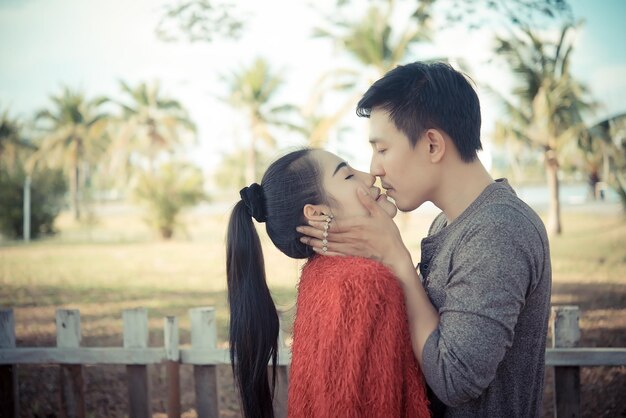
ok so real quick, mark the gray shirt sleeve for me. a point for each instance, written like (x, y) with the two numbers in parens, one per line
(490, 275)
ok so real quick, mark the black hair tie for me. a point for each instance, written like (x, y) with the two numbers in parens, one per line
(254, 199)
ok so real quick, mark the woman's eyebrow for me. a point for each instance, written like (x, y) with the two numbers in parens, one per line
(339, 166)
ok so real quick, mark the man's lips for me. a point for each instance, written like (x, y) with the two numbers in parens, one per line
(379, 194)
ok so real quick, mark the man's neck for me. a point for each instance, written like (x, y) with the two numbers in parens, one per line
(460, 187)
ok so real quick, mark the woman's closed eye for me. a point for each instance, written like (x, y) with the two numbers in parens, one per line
(349, 172)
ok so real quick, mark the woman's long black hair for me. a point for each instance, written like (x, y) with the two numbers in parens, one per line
(289, 183)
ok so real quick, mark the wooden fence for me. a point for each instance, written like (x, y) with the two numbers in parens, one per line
(565, 356)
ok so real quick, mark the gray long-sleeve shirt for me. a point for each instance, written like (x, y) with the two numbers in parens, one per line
(488, 274)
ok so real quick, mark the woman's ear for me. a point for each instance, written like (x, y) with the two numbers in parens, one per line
(436, 145)
(315, 212)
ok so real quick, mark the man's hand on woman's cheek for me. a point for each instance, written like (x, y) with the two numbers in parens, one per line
(374, 236)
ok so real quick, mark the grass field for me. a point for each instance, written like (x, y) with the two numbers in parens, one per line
(115, 263)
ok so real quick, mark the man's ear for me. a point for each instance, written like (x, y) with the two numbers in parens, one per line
(315, 212)
(436, 144)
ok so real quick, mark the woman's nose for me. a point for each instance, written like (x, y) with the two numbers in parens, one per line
(367, 178)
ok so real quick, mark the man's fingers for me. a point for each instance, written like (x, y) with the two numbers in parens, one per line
(314, 242)
(335, 248)
(329, 253)
(311, 231)
(318, 225)
(311, 242)
(337, 226)
(367, 201)
(316, 230)
(334, 226)
(332, 249)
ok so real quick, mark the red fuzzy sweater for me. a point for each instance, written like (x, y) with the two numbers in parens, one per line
(351, 353)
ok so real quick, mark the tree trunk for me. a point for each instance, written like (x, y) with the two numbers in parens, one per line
(75, 178)
(152, 149)
(74, 186)
(619, 185)
(554, 206)
(166, 232)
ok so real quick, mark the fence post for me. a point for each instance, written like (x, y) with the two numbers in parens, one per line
(282, 375)
(204, 337)
(71, 383)
(136, 336)
(170, 333)
(9, 401)
(566, 334)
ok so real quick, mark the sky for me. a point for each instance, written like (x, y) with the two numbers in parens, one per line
(91, 45)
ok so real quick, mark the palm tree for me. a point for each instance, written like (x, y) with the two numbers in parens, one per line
(228, 174)
(375, 45)
(604, 144)
(253, 90)
(317, 128)
(373, 40)
(73, 138)
(550, 103)
(150, 125)
(200, 21)
(11, 141)
(316, 125)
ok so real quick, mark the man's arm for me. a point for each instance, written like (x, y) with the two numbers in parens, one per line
(376, 236)
(485, 293)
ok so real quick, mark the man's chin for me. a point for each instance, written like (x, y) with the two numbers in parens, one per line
(402, 207)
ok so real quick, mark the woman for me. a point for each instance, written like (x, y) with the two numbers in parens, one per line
(351, 353)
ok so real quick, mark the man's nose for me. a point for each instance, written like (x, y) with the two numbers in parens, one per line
(376, 168)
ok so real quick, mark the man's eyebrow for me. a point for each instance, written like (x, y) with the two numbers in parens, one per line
(374, 140)
(339, 166)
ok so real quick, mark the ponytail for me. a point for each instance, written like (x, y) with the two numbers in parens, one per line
(288, 184)
(254, 322)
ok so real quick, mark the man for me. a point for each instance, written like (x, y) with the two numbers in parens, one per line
(478, 308)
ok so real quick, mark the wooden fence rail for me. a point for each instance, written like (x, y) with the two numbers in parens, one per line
(565, 356)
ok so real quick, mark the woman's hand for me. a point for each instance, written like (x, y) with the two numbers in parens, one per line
(374, 236)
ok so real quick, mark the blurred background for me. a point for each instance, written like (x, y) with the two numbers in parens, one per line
(128, 128)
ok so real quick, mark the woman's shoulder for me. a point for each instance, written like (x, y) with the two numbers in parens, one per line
(345, 272)
(345, 266)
